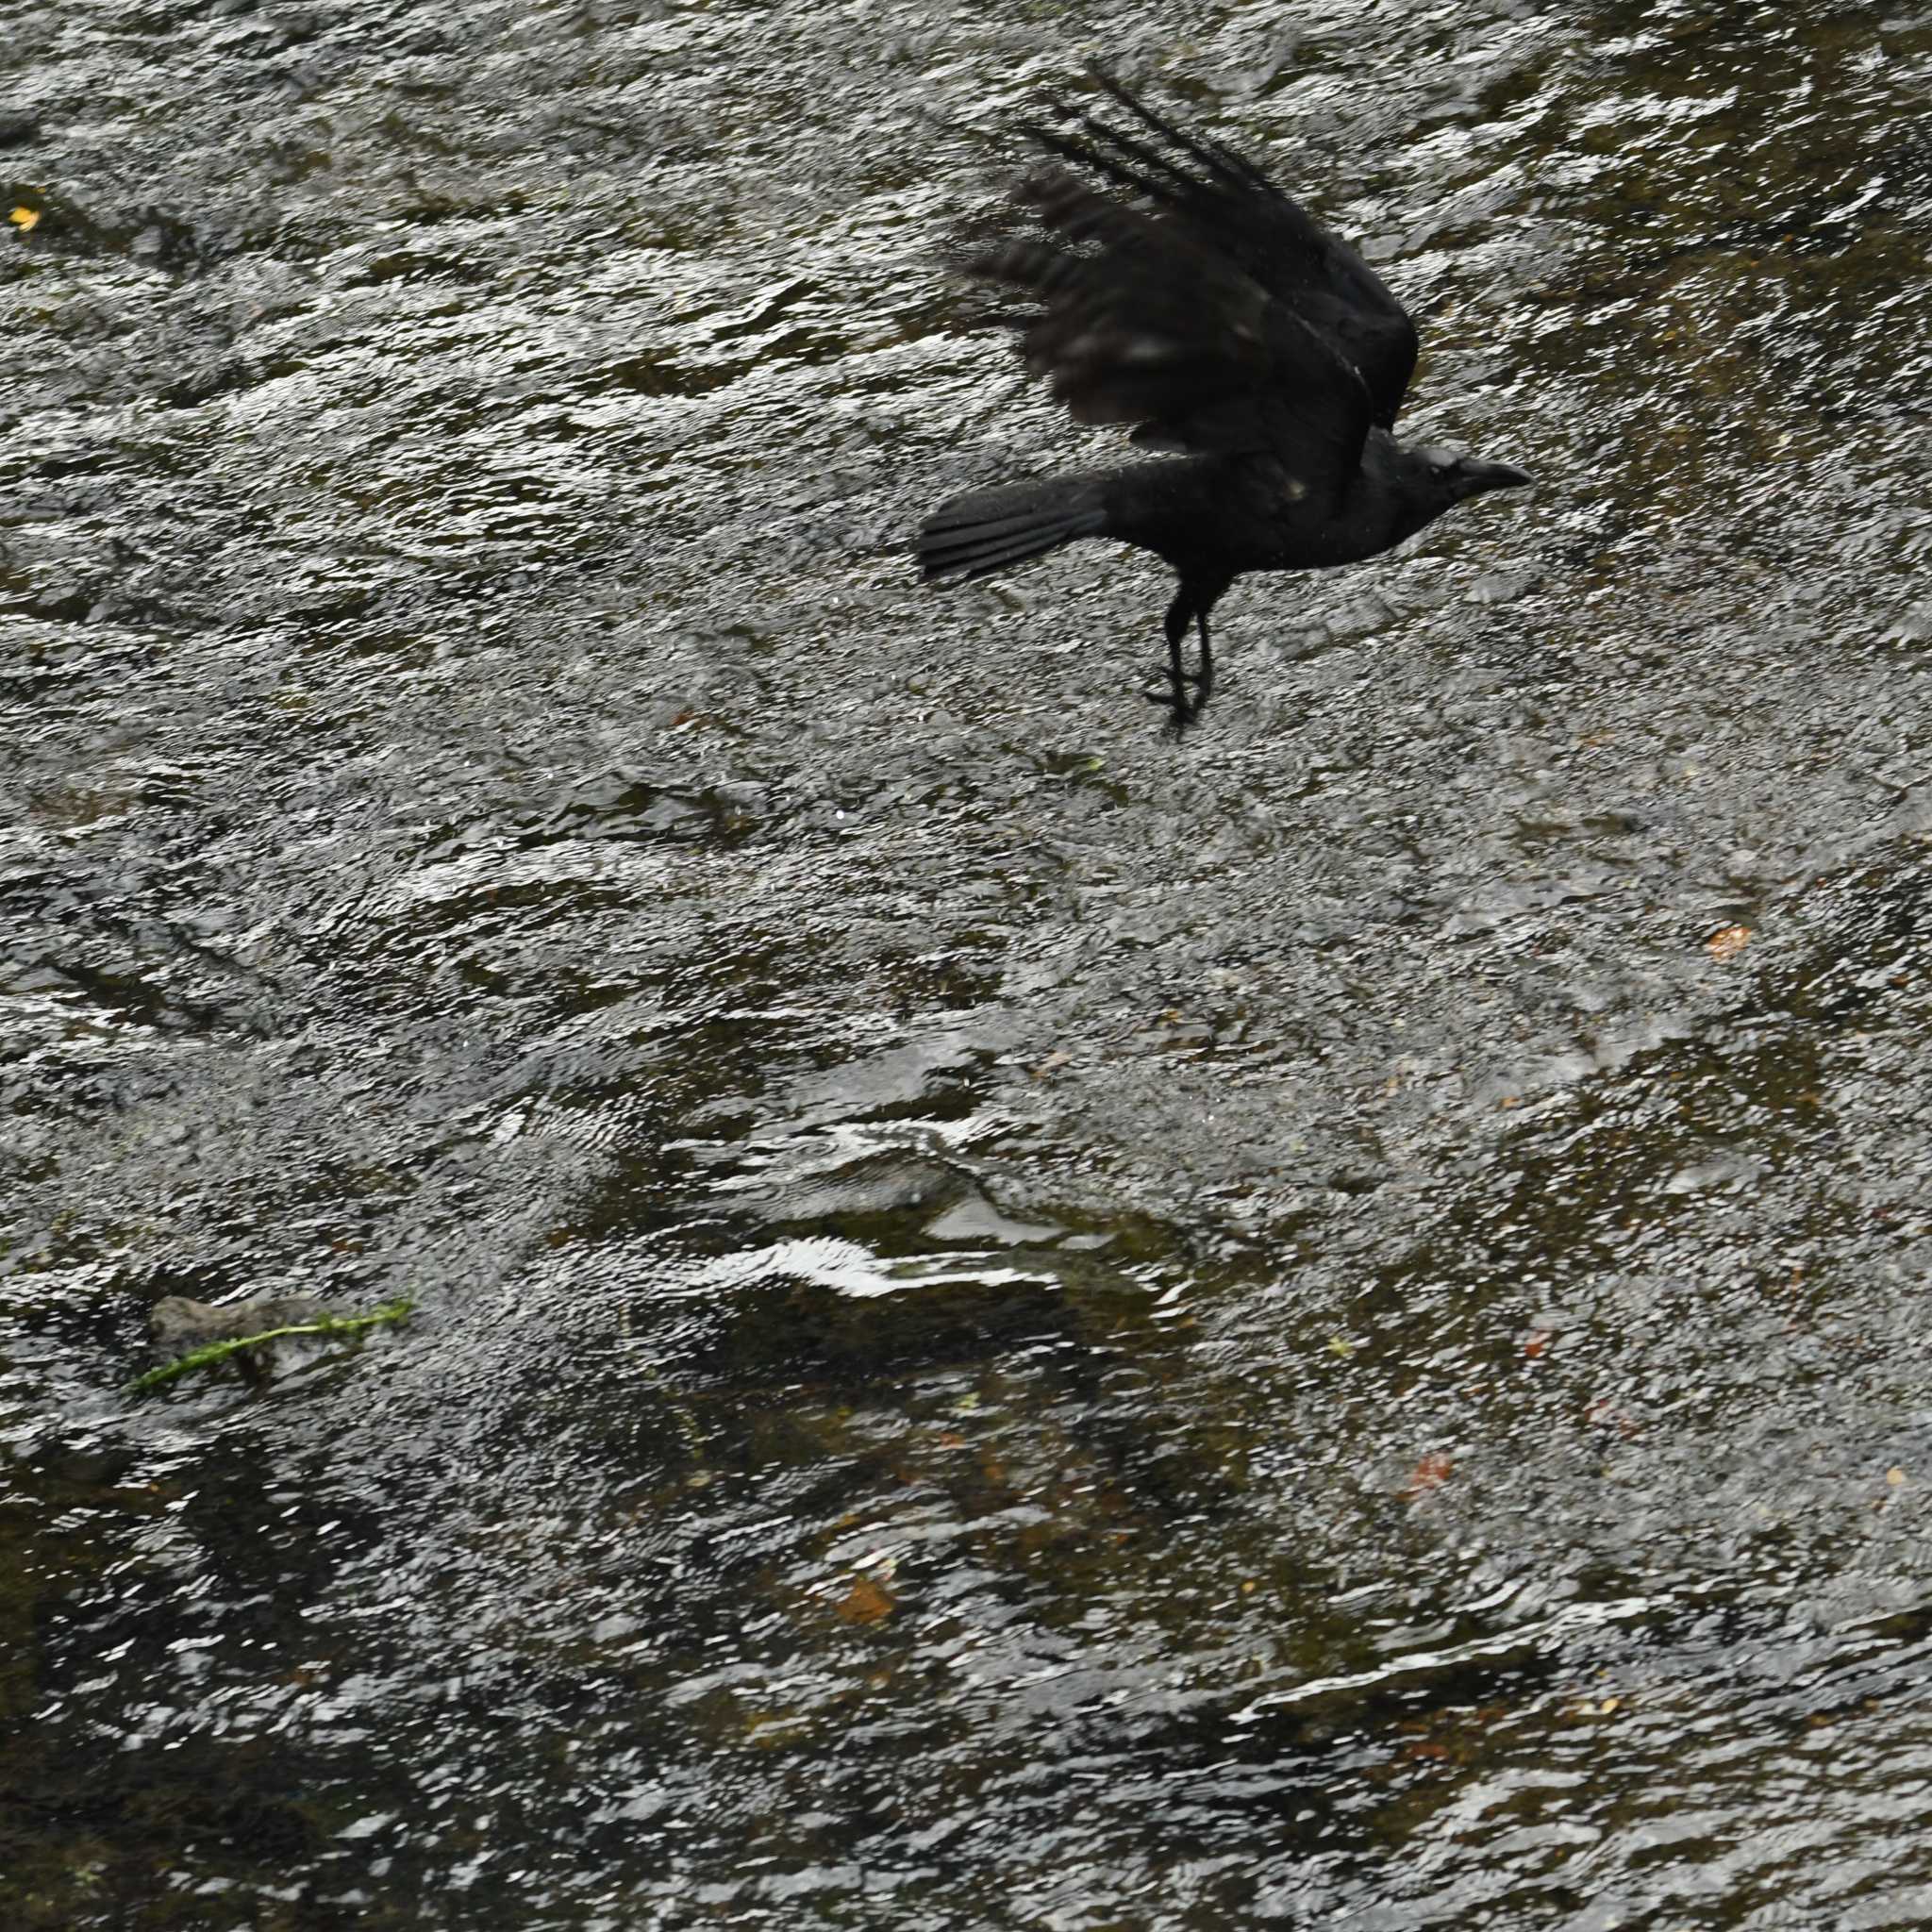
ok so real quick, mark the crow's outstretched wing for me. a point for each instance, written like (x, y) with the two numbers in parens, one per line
(1141, 319)
(1221, 201)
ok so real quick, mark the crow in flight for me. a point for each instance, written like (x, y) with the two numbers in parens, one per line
(1220, 319)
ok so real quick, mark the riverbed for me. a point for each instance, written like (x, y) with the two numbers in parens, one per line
(1017, 1322)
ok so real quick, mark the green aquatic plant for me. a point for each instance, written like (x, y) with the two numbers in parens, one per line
(215, 1351)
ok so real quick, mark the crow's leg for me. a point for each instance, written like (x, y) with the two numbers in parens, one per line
(1196, 596)
(1202, 593)
(1180, 613)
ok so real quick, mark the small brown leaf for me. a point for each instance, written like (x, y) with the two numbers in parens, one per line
(1430, 1474)
(865, 1602)
(1728, 943)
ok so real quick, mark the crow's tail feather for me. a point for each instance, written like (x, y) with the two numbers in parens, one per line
(987, 529)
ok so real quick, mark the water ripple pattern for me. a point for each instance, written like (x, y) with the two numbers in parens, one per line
(1016, 1324)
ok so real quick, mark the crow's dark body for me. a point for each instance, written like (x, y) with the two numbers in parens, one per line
(1212, 516)
(1218, 319)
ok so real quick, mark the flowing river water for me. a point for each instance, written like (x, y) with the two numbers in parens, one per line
(1016, 1324)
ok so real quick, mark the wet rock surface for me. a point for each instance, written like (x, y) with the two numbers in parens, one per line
(1032, 1327)
(177, 1325)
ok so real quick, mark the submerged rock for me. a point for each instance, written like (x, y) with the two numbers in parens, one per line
(178, 1326)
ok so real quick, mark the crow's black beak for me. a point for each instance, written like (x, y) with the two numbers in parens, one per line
(1480, 478)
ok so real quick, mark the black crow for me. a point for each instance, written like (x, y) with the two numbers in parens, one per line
(1220, 319)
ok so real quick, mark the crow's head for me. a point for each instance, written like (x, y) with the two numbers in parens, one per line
(1452, 476)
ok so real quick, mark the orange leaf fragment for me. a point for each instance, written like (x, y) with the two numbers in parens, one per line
(865, 1602)
(25, 219)
(1728, 943)
(1430, 1473)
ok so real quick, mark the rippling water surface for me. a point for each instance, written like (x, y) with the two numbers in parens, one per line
(1017, 1325)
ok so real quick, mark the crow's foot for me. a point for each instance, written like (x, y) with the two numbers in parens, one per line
(1182, 709)
(1163, 676)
